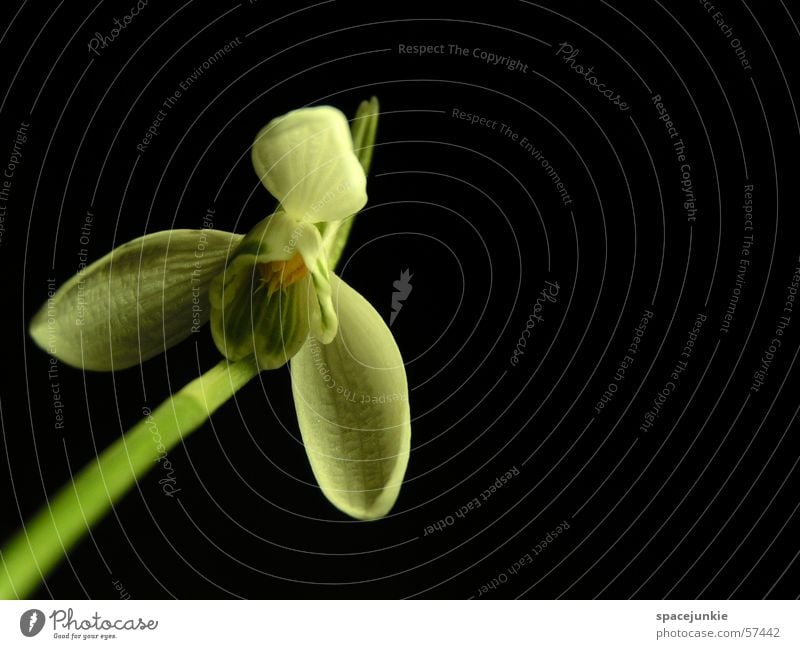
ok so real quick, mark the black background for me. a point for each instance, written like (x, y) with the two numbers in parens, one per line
(702, 504)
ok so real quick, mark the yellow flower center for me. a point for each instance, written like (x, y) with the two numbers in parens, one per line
(276, 275)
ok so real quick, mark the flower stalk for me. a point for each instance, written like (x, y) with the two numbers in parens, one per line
(82, 502)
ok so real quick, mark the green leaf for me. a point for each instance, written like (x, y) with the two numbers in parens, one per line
(351, 398)
(140, 299)
(38, 547)
(305, 159)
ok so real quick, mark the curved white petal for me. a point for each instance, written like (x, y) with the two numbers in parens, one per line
(351, 398)
(134, 303)
(306, 160)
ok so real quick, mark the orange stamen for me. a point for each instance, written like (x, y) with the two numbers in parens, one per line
(276, 275)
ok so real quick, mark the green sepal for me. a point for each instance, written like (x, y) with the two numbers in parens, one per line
(134, 303)
(351, 398)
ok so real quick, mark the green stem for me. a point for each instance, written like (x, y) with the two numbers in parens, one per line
(45, 540)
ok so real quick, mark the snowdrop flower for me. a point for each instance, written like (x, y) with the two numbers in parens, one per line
(277, 287)
(271, 296)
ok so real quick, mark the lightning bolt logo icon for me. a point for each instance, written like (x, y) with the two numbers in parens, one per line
(31, 622)
(402, 290)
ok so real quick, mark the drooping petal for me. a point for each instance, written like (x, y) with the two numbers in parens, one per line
(351, 398)
(140, 299)
(306, 160)
(272, 293)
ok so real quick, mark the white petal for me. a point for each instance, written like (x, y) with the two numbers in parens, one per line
(306, 160)
(351, 398)
(140, 299)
